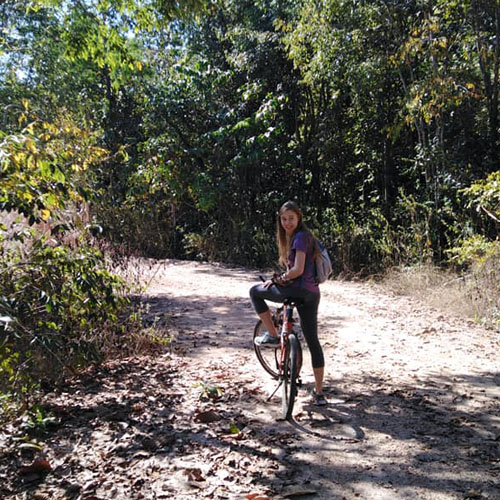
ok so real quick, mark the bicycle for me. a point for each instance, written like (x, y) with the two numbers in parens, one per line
(284, 362)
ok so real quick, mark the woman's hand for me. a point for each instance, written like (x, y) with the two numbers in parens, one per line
(279, 279)
(267, 284)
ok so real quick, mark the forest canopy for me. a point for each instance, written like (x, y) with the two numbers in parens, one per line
(377, 116)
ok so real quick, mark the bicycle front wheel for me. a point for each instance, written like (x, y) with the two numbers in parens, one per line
(290, 375)
(268, 356)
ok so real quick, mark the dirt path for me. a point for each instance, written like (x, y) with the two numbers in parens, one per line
(413, 410)
(414, 395)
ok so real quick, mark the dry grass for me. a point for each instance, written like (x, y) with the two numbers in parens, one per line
(138, 272)
(149, 334)
(473, 295)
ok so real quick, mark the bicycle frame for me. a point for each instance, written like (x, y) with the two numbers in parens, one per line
(285, 314)
(285, 365)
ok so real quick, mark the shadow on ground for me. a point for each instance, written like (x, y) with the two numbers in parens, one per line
(130, 428)
(447, 440)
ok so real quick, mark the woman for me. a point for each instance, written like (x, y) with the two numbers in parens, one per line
(297, 247)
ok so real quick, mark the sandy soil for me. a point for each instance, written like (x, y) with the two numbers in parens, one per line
(413, 409)
(413, 394)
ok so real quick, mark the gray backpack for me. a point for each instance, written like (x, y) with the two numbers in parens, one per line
(322, 263)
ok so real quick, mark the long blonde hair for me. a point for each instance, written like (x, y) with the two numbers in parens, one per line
(285, 242)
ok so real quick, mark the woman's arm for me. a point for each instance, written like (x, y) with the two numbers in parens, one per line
(298, 266)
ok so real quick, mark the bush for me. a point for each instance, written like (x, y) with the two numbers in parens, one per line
(60, 309)
(358, 247)
(479, 259)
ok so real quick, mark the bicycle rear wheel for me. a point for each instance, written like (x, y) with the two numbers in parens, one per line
(268, 356)
(290, 375)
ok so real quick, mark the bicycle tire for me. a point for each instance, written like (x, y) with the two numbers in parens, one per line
(298, 334)
(290, 375)
(267, 356)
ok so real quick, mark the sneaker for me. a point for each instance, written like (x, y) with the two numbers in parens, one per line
(267, 340)
(318, 399)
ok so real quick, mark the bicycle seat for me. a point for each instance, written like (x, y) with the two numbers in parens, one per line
(293, 301)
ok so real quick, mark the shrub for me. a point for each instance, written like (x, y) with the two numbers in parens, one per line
(60, 309)
(479, 259)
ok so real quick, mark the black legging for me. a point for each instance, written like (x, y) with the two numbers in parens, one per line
(308, 313)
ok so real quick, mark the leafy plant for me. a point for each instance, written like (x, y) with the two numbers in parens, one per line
(484, 195)
(209, 391)
(38, 419)
(64, 310)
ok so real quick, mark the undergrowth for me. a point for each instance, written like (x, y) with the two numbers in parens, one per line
(473, 292)
(63, 309)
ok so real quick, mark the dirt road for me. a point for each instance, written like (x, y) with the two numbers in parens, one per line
(414, 395)
(413, 411)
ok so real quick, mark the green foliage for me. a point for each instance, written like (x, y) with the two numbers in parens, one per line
(485, 195)
(208, 391)
(38, 419)
(359, 247)
(475, 251)
(60, 309)
(377, 117)
(478, 249)
(42, 167)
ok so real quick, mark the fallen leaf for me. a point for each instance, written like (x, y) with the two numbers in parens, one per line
(297, 490)
(194, 474)
(39, 466)
(206, 417)
(257, 496)
(474, 494)
(238, 436)
(30, 446)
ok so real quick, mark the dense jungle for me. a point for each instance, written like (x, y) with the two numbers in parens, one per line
(158, 130)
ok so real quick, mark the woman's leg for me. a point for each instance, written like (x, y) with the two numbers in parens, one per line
(268, 322)
(259, 294)
(318, 379)
(309, 322)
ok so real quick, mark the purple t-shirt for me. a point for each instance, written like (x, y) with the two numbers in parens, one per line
(303, 241)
